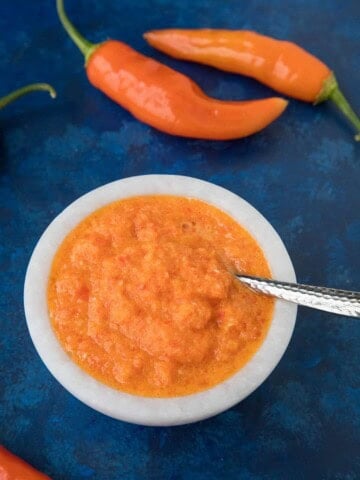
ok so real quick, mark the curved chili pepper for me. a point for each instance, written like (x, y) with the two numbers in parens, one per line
(281, 65)
(164, 98)
(34, 87)
(13, 468)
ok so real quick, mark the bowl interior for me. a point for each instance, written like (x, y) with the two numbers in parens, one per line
(153, 411)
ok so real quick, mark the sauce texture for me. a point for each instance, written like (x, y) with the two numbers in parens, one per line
(142, 297)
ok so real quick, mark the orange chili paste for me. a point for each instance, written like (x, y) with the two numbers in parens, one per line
(142, 297)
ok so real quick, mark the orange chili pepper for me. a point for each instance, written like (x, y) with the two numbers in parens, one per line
(24, 91)
(164, 98)
(283, 66)
(14, 468)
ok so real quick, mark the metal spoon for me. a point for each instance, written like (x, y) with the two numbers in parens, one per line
(342, 302)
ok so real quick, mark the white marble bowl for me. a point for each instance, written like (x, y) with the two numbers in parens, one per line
(154, 411)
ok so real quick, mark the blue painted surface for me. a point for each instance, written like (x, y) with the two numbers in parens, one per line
(302, 173)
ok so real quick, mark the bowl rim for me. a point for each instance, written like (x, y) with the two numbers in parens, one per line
(145, 410)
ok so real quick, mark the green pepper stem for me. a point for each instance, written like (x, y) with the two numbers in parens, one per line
(45, 87)
(331, 91)
(84, 45)
(343, 105)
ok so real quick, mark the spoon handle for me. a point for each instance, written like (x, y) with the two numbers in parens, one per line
(342, 302)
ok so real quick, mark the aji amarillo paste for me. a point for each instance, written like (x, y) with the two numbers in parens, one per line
(141, 296)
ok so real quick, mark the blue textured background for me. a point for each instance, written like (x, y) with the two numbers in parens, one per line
(302, 173)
